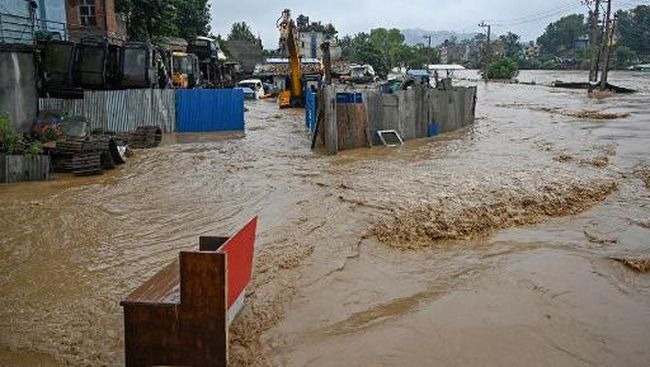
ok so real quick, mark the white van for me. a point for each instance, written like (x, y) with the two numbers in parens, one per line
(254, 84)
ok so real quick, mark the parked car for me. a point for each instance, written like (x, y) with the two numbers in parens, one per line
(248, 93)
(255, 84)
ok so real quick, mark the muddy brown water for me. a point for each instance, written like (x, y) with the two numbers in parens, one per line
(533, 206)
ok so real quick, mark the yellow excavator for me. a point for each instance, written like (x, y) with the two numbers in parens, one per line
(292, 96)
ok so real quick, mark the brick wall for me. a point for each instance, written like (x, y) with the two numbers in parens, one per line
(107, 24)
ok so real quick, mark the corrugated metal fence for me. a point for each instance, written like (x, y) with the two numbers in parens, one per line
(120, 110)
(207, 110)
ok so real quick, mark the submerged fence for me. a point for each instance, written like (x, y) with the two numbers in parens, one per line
(200, 110)
(352, 120)
(120, 110)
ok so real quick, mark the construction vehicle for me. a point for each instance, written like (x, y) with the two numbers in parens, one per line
(292, 96)
(211, 61)
(181, 68)
(55, 60)
(138, 65)
(96, 64)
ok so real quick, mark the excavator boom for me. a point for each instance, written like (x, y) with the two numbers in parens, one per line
(292, 96)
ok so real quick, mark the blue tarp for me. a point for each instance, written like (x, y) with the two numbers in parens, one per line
(310, 111)
(349, 98)
(209, 110)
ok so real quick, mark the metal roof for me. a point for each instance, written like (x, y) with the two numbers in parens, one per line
(445, 67)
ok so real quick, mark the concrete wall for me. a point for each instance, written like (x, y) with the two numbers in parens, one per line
(18, 95)
(411, 113)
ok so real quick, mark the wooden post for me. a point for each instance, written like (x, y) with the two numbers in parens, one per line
(327, 62)
(331, 128)
(609, 36)
(595, 45)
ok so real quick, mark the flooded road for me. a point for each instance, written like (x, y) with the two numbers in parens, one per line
(488, 246)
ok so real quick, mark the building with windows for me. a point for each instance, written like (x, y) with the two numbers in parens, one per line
(94, 18)
(22, 21)
(312, 34)
(532, 50)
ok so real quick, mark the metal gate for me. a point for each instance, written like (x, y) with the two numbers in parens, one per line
(210, 110)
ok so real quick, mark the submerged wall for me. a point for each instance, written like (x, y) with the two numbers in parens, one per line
(18, 94)
(352, 120)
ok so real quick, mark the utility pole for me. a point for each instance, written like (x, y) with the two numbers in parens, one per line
(327, 62)
(488, 49)
(595, 57)
(429, 38)
(609, 38)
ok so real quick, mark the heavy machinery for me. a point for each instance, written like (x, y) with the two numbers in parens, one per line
(138, 65)
(96, 64)
(181, 68)
(212, 62)
(55, 64)
(293, 95)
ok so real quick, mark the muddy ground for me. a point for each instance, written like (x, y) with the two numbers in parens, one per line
(519, 241)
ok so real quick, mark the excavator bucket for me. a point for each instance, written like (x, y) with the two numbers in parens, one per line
(284, 100)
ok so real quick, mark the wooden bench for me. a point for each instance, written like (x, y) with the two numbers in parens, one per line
(180, 316)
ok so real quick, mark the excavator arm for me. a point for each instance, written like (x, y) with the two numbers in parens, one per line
(294, 64)
(292, 96)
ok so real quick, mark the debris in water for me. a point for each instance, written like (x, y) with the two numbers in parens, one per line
(428, 223)
(594, 238)
(639, 265)
(596, 115)
(564, 158)
(584, 114)
(643, 173)
(598, 162)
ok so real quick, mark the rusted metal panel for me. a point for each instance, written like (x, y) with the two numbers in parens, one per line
(351, 123)
(180, 316)
(190, 332)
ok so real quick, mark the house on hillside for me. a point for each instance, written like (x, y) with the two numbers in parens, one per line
(94, 18)
(277, 71)
(532, 50)
(313, 34)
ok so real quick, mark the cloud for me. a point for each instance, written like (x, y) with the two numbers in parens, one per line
(525, 17)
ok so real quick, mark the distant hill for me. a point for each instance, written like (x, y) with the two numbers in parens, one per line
(415, 36)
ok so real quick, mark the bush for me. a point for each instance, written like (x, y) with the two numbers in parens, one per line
(34, 148)
(8, 138)
(505, 68)
(550, 65)
(529, 64)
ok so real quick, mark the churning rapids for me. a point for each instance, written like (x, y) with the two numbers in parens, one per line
(524, 240)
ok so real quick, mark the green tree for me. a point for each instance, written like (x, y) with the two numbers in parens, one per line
(192, 18)
(148, 19)
(505, 68)
(625, 57)
(241, 32)
(560, 36)
(513, 45)
(383, 49)
(633, 29)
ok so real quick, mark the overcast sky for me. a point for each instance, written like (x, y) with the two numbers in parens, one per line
(525, 17)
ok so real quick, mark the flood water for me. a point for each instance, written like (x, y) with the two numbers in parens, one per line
(489, 246)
